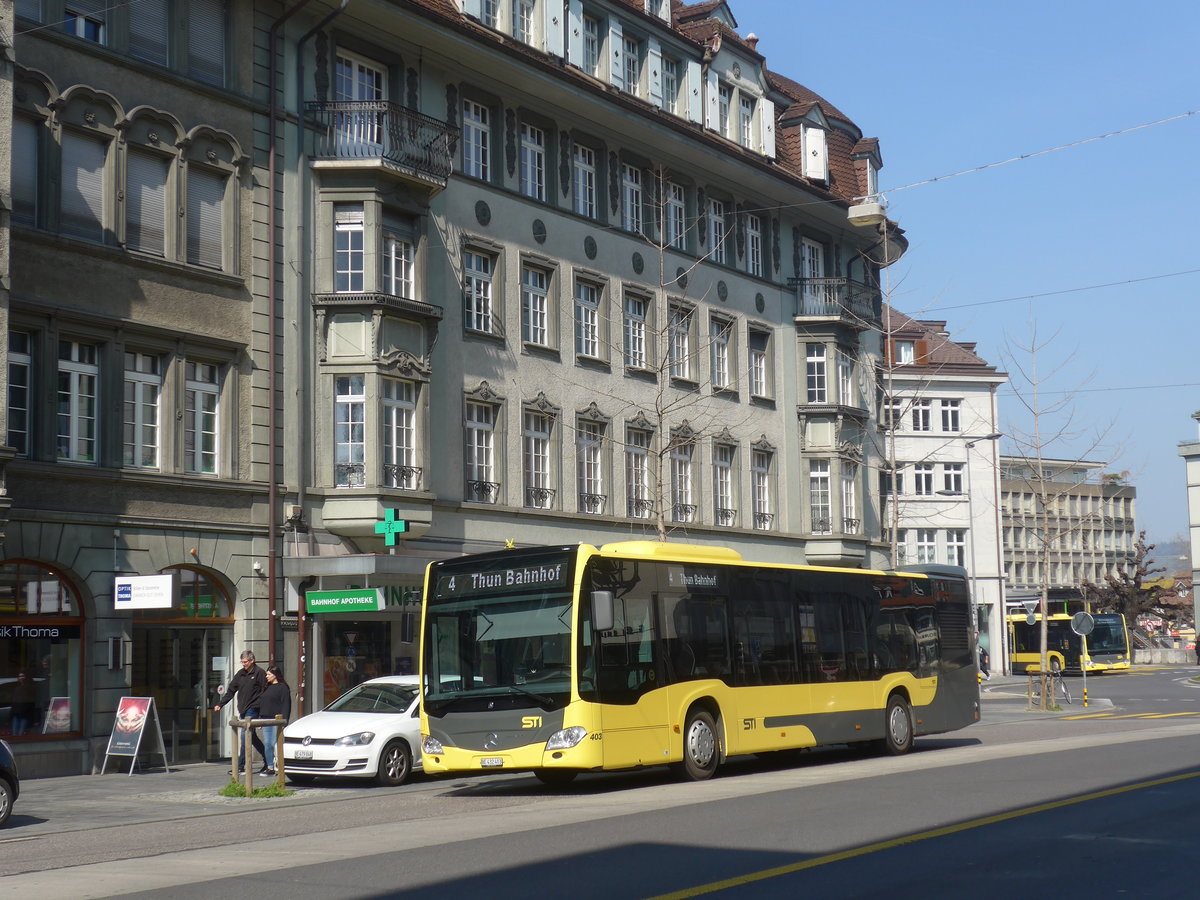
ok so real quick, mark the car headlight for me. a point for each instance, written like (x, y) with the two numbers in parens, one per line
(567, 738)
(432, 746)
(355, 740)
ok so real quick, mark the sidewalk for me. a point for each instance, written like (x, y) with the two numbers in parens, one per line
(84, 802)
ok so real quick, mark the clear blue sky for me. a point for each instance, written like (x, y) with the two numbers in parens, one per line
(952, 85)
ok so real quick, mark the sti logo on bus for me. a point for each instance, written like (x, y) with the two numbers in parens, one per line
(531, 721)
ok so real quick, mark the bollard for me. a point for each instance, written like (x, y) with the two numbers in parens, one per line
(1085, 696)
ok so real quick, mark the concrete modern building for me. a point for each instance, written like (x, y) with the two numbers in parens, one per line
(305, 295)
(1068, 523)
(1190, 451)
(938, 472)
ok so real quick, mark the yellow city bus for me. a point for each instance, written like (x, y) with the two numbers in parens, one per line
(567, 659)
(1106, 649)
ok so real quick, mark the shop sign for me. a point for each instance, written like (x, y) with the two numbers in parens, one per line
(356, 600)
(144, 592)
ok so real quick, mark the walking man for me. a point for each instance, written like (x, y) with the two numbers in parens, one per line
(248, 686)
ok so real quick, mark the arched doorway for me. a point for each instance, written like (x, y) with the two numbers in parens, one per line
(180, 656)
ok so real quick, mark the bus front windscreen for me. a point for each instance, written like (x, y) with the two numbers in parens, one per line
(498, 633)
(1108, 635)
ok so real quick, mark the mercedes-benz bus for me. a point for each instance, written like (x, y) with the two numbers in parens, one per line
(1106, 649)
(568, 659)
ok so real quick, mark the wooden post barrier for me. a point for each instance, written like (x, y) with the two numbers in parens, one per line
(247, 741)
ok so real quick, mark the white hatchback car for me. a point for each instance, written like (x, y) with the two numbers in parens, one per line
(371, 731)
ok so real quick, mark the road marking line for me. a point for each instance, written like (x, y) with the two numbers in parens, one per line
(792, 868)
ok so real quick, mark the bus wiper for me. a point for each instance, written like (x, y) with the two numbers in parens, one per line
(540, 699)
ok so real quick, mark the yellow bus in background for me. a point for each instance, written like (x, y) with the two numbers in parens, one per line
(1106, 649)
(568, 659)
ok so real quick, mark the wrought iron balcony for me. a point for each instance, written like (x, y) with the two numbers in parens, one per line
(539, 497)
(684, 512)
(726, 516)
(483, 491)
(850, 526)
(350, 475)
(405, 477)
(592, 503)
(371, 131)
(764, 521)
(640, 508)
(838, 299)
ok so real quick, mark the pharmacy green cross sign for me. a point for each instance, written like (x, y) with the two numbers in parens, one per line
(391, 528)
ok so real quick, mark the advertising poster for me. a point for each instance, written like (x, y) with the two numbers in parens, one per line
(58, 716)
(130, 725)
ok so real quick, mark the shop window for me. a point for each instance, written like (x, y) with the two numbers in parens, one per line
(41, 658)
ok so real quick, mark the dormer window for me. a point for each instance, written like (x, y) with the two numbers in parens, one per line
(745, 120)
(816, 156)
(872, 180)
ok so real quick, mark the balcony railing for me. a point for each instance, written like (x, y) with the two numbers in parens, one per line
(763, 520)
(640, 508)
(405, 477)
(349, 474)
(837, 298)
(726, 516)
(379, 130)
(684, 512)
(483, 491)
(592, 503)
(539, 497)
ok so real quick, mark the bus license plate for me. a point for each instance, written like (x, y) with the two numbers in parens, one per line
(304, 754)
(492, 762)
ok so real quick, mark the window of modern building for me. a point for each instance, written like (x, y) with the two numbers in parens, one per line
(533, 162)
(78, 377)
(926, 545)
(952, 478)
(143, 391)
(41, 659)
(922, 415)
(956, 547)
(950, 415)
(891, 413)
(923, 479)
(86, 19)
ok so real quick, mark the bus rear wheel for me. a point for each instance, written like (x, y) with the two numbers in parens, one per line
(897, 726)
(701, 750)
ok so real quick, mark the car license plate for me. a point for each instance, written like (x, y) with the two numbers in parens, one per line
(492, 762)
(304, 754)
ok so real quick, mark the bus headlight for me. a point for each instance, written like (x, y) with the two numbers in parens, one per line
(567, 738)
(432, 746)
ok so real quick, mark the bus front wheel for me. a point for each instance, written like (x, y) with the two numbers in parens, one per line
(898, 728)
(701, 750)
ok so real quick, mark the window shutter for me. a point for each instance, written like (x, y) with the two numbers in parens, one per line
(148, 31)
(206, 40)
(766, 127)
(711, 101)
(814, 154)
(575, 33)
(553, 27)
(473, 8)
(145, 201)
(24, 171)
(921, 353)
(695, 92)
(29, 9)
(654, 58)
(205, 218)
(82, 187)
(616, 49)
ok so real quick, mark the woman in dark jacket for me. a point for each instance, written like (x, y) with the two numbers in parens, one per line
(276, 700)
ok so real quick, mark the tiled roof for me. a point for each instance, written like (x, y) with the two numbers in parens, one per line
(943, 351)
(801, 94)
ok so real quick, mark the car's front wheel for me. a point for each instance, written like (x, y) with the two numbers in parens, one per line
(395, 764)
(6, 802)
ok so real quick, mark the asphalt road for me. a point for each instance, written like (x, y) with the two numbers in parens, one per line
(1089, 802)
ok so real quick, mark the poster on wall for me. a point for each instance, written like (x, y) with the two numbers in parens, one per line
(134, 715)
(58, 716)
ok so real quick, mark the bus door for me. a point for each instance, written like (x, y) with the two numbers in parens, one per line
(630, 676)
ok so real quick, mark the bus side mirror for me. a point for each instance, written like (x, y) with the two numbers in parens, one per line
(602, 610)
